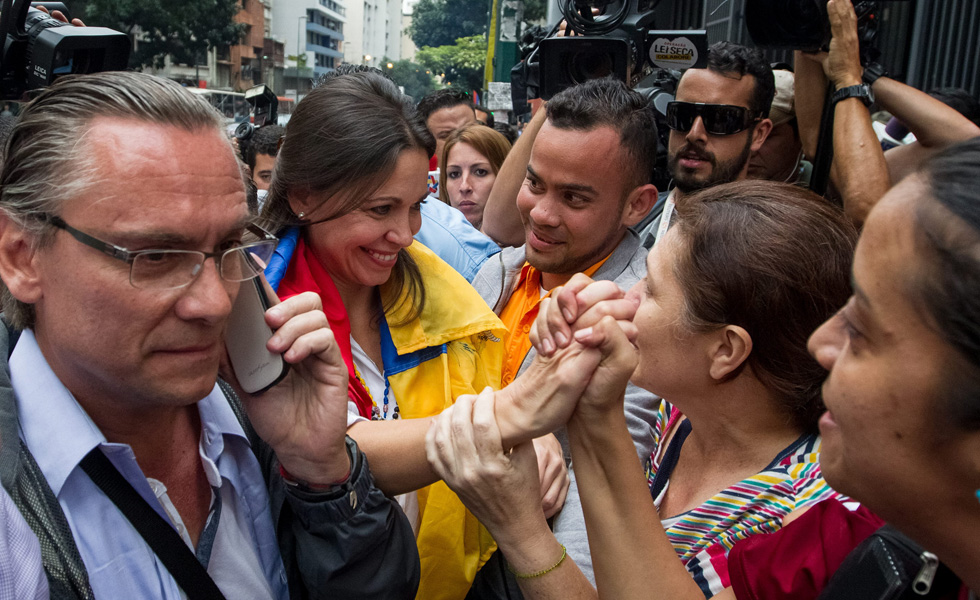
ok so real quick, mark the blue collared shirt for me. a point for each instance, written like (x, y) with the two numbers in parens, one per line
(446, 232)
(59, 433)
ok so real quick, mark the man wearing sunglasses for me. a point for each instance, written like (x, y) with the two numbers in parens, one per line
(718, 118)
(124, 242)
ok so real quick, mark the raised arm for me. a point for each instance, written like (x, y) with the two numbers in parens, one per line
(466, 449)
(861, 174)
(624, 529)
(810, 91)
(396, 451)
(934, 124)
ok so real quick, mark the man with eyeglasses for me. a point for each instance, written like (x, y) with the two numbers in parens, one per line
(124, 239)
(719, 116)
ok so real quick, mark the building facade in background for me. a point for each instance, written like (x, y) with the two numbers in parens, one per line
(373, 31)
(258, 59)
(312, 32)
(408, 47)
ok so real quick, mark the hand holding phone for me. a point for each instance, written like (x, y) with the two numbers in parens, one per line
(256, 368)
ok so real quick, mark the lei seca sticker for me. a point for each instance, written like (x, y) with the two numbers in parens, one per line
(677, 53)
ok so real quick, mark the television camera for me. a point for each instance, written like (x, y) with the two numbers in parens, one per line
(605, 38)
(37, 48)
(803, 25)
(609, 38)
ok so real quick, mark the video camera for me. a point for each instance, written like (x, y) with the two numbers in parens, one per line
(265, 109)
(803, 25)
(616, 41)
(37, 48)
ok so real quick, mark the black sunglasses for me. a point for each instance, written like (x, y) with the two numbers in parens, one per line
(719, 119)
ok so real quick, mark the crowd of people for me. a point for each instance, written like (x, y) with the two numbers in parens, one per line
(516, 369)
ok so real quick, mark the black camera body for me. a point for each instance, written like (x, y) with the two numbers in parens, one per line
(37, 49)
(803, 24)
(265, 111)
(566, 61)
(618, 43)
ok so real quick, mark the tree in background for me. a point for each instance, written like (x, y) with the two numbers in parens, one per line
(416, 79)
(441, 22)
(460, 64)
(535, 11)
(183, 29)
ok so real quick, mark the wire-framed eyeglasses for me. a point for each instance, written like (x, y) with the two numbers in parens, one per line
(169, 269)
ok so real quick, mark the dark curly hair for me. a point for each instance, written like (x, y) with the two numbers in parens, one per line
(728, 57)
(444, 98)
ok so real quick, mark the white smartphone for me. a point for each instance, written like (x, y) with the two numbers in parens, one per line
(256, 368)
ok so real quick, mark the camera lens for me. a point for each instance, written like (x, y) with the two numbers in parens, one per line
(583, 66)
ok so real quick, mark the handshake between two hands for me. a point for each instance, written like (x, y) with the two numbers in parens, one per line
(482, 446)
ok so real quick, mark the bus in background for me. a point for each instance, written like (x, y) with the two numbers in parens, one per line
(231, 104)
(286, 107)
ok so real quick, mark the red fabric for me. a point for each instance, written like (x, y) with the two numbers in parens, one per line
(306, 274)
(433, 162)
(797, 561)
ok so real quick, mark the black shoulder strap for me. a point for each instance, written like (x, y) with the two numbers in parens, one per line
(236, 406)
(158, 533)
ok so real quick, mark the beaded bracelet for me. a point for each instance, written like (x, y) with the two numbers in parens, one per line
(564, 553)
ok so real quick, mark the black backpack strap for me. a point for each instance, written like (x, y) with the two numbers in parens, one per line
(157, 532)
(236, 406)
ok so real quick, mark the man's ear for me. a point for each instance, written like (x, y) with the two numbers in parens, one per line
(729, 352)
(18, 267)
(639, 203)
(760, 133)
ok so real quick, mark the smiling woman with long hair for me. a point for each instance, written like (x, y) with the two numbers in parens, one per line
(345, 197)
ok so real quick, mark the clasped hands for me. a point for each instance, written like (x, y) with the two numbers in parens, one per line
(481, 447)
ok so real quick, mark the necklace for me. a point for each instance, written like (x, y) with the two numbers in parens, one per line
(378, 413)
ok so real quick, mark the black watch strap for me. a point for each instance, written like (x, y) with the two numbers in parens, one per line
(862, 91)
(873, 72)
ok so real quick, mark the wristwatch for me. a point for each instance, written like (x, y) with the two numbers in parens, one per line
(332, 492)
(862, 91)
(872, 73)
